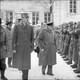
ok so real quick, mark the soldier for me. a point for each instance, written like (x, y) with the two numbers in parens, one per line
(61, 41)
(70, 53)
(47, 55)
(3, 51)
(9, 42)
(78, 33)
(66, 43)
(23, 45)
(75, 48)
(37, 49)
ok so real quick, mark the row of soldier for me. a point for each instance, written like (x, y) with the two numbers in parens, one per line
(69, 44)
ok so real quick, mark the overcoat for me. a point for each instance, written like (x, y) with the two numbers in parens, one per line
(3, 41)
(61, 45)
(66, 44)
(9, 43)
(47, 42)
(22, 42)
(75, 49)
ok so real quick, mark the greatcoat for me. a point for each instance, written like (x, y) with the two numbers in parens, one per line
(75, 49)
(3, 45)
(47, 42)
(9, 43)
(22, 42)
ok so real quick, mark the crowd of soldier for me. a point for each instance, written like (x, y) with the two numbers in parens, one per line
(68, 44)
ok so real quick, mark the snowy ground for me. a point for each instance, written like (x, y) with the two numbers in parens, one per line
(61, 71)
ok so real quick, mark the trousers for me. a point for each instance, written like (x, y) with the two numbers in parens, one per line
(25, 74)
(49, 70)
(2, 64)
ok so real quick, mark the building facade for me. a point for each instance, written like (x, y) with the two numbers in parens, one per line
(66, 11)
(38, 10)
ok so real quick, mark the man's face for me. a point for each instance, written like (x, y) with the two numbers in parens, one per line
(24, 19)
(9, 26)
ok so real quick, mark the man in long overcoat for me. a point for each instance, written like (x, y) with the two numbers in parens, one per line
(77, 31)
(9, 42)
(22, 43)
(47, 55)
(3, 51)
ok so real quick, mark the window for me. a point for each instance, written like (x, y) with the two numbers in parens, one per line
(1, 15)
(9, 16)
(72, 6)
(46, 17)
(35, 18)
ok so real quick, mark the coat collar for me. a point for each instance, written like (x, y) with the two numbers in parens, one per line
(48, 30)
(2, 30)
(24, 26)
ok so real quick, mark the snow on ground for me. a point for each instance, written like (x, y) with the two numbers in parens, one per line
(61, 71)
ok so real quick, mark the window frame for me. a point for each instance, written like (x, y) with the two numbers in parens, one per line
(47, 17)
(9, 16)
(73, 6)
(36, 18)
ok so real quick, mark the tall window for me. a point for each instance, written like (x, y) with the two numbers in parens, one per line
(1, 14)
(46, 17)
(35, 18)
(9, 16)
(72, 6)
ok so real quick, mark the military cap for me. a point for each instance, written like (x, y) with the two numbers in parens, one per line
(50, 23)
(71, 24)
(77, 31)
(73, 33)
(25, 14)
(10, 22)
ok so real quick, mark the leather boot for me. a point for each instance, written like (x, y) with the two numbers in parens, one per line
(2, 75)
(69, 62)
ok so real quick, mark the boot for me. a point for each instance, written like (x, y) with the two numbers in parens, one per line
(51, 74)
(74, 66)
(76, 71)
(64, 56)
(2, 75)
(66, 59)
(78, 76)
(69, 62)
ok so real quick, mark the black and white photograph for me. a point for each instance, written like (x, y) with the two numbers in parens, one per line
(39, 39)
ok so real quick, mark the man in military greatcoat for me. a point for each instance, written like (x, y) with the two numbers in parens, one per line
(22, 44)
(9, 42)
(47, 55)
(3, 51)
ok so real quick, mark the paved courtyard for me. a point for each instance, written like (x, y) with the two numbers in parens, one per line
(61, 71)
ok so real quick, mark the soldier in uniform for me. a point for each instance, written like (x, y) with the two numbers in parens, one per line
(66, 42)
(47, 55)
(77, 31)
(70, 53)
(78, 65)
(9, 42)
(75, 48)
(3, 51)
(23, 45)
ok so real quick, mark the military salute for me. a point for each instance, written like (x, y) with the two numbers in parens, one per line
(70, 40)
